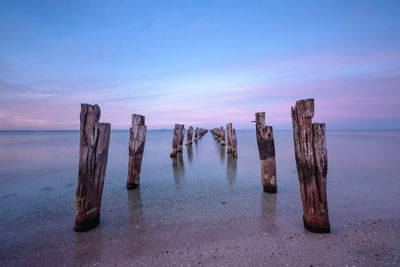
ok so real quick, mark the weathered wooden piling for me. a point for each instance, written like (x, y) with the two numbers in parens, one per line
(266, 150)
(234, 144)
(189, 136)
(177, 139)
(202, 132)
(312, 166)
(229, 138)
(196, 134)
(93, 155)
(137, 138)
(222, 136)
(181, 137)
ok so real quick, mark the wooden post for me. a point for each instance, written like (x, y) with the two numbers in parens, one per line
(93, 155)
(137, 140)
(189, 136)
(177, 139)
(202, 132)
(222, 135)
(229, 138)
(312, 166)
(181, 137)
(196, 134)
(234, 144)
(266, 150)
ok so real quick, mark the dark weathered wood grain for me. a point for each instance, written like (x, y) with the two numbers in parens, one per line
(229, 138)
(189, 136)
(177, 139)
(93, 156)
(266, 150)
(196, 134)
(234, 144)
(312, 166)
(137, 139)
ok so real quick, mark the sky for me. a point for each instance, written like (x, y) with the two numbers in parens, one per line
(201, 63)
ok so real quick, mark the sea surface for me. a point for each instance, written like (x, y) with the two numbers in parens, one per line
(203, 188)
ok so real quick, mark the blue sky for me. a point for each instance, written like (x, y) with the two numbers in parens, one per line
(201, 63)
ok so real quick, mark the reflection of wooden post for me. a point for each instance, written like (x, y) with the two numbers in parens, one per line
(93, 155)
(196, 134)
(229, 137)
(222, 135)
(136, 147)
(234, 144)
(189, 136)
(266, 149)
(312, 166)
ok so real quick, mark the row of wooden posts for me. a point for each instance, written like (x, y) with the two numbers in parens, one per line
(310, 153)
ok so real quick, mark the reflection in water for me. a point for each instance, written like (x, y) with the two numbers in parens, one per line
(190, 153)
(222, 153)
(136, 218)
(196, 147)
(178, 168)
(231, 169)
(84, 254)
(268, 212)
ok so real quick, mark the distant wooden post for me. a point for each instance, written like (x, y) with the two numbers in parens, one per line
(137, 138)
(196, 134)
(266, 150)
(93, 155)
(312, 166)
(234, 144)
(189, 136)
(202, 132)
(229, 138)
(181, 137)
(222, 135)
(177, 140)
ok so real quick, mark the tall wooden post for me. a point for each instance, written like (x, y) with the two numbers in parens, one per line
(312, 166)
(202, 132)
(196, 134)
(266, 150)
(137, 138)
(222, 135)
(234, 144)
(189, 136)
(229, 138)
(181, 137)
(93, 155)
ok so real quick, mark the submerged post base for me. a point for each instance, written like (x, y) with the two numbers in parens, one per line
(86, 225)
(270, 189)
(316, 229)
(132, 186)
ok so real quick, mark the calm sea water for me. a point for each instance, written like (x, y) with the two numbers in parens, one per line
(202, 187)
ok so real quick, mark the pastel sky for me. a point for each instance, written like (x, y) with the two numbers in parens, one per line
(201, 63)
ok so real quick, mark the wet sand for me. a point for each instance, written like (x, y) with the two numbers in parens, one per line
(204, 208)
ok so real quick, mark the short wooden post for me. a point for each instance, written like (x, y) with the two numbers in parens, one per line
(234, 144)
(266, 150)
(229, 138)
(312, 166)
(222, 135)
(177, 139)
(93, 155)
(189, 136)
(137, 138)
(196, 134)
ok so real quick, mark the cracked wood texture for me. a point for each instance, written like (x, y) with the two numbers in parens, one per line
(312, 166)
(222, 135)
(177, 141)
(137, 139)
(189, 136)
(266, 150)
(234, 144)
(229, 138)
(202, 132)
(93, 155)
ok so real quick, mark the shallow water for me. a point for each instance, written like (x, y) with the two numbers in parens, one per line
(202, 189)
